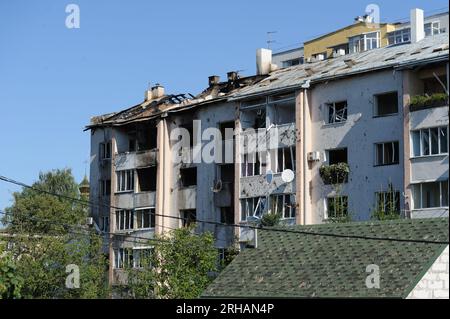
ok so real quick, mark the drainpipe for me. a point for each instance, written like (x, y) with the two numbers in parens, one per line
(304, 102)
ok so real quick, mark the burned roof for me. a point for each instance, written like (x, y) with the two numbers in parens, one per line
(430, 49)
(174, 102)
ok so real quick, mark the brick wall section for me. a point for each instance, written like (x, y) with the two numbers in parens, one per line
(435, 283)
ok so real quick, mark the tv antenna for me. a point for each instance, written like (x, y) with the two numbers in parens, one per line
(269, 38)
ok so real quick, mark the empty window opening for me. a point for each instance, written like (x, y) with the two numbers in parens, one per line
(337, 112)
(188, 176)
(430, 195)
(124, 219)
(146, 179)
(282, 108)
(254, 118)
(105, 150)
(337, 207)
(337, 156)
(386, 104)
(105, 187)
(125, 181)
(283, 205)
(433, 86)
(142, 137)
(188, 217)
(190, 130)
(145, 218)
(104, 223)
(387, 153)
(227, 215)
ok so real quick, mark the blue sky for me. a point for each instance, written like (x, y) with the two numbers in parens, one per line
(53, 79)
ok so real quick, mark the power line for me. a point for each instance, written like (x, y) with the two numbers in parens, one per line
(284, 230)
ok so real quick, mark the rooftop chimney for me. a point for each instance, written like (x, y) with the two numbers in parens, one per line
(417, 27)
(232, 76)
(157, 91)
(263, 61)
(148, 95)
(213, 80)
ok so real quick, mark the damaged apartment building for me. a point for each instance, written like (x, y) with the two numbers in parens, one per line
(382, 113)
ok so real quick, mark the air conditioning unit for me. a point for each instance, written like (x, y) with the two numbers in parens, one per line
(313, 156)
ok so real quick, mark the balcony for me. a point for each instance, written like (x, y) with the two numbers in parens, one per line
(278, 136)
(255, 186)
(423, 102)
(187, 198)
(131, 200)
(223, 198)
(132, 160)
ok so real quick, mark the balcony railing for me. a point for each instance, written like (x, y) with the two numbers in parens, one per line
(135, 159)
(422, 102)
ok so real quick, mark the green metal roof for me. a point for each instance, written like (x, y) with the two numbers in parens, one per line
(305, 265)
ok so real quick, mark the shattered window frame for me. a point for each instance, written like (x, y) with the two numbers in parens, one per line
(337, 112)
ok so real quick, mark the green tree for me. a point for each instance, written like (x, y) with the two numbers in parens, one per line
(48, 234)
(10, 282)
(181, 266)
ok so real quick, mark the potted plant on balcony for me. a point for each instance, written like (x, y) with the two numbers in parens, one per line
(419, 102)
(334, 174)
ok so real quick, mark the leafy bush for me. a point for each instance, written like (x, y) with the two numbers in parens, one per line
(334, 174)
(270, 219)
(423, 101)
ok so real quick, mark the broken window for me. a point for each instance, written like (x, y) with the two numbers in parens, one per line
(190, 129)
(105, 187)
(282, 108)
(337, 156)
(104, 223)
(105, 150)
(337, 112)
(283, 205)
(227, 215)
(386, 104)
(430, 141)
(252, 207)
(285, 159)
(142, 137)
(337, 207)
(188, 217)
(146, 179)
(125, 180)
(123, 258)
(145, 218)
(188, 176)
(430, 195)
(124, 219)
(253, 164)
(142, 257)
(254, 118)
(387, 153)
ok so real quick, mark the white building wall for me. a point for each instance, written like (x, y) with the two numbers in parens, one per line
(435, 283)
(358, 134)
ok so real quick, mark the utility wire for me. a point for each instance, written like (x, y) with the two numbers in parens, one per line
(283, 230)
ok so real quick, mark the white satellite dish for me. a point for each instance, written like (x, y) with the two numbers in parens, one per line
(269, 176)
(287, 176)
